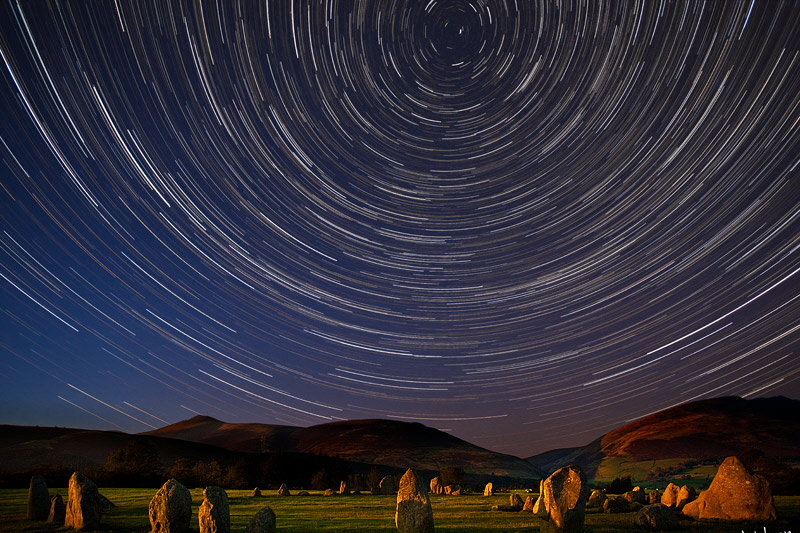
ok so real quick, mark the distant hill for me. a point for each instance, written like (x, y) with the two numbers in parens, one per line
(681, 438)
(385, 442)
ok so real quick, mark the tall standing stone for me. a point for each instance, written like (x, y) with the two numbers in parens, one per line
(58, 510)
(687, 494)
(344, 488)
(414, 513)
(38, 499)
(488, 490)
(734, 494)
(263, 522)
(214, 515)
(83, 505)
(170, 510)
(670, 496)
(562, 500)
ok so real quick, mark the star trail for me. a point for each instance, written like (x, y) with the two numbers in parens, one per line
(526, 223)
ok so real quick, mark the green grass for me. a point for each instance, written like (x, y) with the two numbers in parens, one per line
(457, 514)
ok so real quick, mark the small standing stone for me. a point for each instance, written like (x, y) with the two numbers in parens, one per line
(256, 493)
(436, 486)
(170, 510)
(515, 502)
(262, 522)
(528, 505)
(344, 488)
(687, 494)
(284, 490)
(414, 513)
(38, 499)
(58, 510)
(670, 496)
(488, 490)
(214, 515)
(83, 505)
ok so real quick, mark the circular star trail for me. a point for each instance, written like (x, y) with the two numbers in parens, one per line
(523, 222)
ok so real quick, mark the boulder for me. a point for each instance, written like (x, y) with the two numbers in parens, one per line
(283, 490)
(656, 516)
(256, 493)
(262, 522)
(596, 499)
(414, 513)
(214, 515)
(38, 499)
(654, 497)
(670, 496)
(329, 492)
(635, 496)
(170, 510)
(58, 510)
(303, 493)
(387, 485)
(616, 505)
(488, 490)
(83, 503)
(344, 488)
(105, 503)
(735, 494)
(453, 490)
(687, 494)
(562, 500)
(436, 486)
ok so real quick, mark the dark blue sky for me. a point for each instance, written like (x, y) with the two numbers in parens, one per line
(523, 224)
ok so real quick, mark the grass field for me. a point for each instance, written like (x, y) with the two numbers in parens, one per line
(306, 514)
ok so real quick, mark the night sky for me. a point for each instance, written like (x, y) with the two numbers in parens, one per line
(526, 223)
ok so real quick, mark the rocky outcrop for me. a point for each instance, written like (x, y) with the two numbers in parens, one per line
(170, 510)
(414, 513)
(734, 494)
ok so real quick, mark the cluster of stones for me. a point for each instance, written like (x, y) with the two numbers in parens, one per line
(170, 511)
(438, 488)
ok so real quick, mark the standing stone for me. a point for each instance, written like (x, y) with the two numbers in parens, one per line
(488, 490)
(654, 497)
(387, 485)
(256, 493)
(515, 502)
(414, 513)
(170, 510)
(283, 490)
(83, 505)
(58, 510)
(687, 494)
(734, 494)
(616, 505)
(436, 486)
(344, 488)
(562, 500)
(670, 496)
(528, 505)
(214, 515)
(635, 496)
(38, 499)
(656, 516)
(262, 522)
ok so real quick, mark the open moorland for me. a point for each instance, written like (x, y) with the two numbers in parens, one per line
(470, 513)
